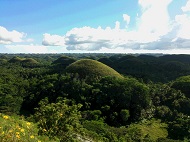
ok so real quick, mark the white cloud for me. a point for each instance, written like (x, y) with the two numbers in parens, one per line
(29, 40)
(8, 37)
(155, 32)
(154, 21)
(183, 22)
(52, 40)
(126, 18)
(87, 38)
(117, 25)
(146, 4)
(186, 8)
(27, 48)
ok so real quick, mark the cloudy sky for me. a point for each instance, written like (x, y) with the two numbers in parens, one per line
(95, 26)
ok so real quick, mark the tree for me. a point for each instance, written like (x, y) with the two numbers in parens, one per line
(113, 95)
(179, 129)
(183, 84)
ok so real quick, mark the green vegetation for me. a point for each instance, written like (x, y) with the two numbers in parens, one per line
(92, 69)
(94, 98)
(183, 84)
(64, 61)
(15, 129)
(16, 60)
(29, 61)
(154, 129)
(58, 120)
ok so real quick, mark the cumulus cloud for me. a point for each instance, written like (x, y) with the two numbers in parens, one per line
(7, 37)
(87, 38)
(183, 22)
(52, 40)
(154, 21)
(155, 31)
(186, 8)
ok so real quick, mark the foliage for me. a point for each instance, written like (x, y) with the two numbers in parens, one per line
(115, 95)
(15, 129)
(124, 115)
(145, 131)
(100, 130)
(182, 84)
(92, 115)
(12, 90)
(168, 102)
(58, 120)
(180, 128)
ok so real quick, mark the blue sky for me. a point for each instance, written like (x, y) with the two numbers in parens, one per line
(97, 26)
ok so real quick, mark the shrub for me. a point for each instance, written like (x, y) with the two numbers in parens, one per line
(58, 120)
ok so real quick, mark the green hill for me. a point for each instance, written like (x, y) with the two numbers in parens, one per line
(24, 61)
(16, 60)
(91, 68)
(64, 61)
(106, 61)
(30, 61)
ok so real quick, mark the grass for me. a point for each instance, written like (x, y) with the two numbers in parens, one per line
(154, 128)
(92, 68)
(16, 129)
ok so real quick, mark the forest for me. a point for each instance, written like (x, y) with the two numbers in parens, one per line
(94, 98)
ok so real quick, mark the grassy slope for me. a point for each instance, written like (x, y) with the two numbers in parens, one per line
(154, 128)
(88, 67)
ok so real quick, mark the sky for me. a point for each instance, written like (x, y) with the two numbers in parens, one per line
(95, 26)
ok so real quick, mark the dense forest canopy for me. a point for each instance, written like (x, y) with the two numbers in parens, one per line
(97, 97)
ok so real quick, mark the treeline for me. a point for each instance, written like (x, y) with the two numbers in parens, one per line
(150, 103)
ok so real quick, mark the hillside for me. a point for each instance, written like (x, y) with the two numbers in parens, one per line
(91, 68)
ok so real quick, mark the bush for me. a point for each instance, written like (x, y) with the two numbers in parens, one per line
(58, 120)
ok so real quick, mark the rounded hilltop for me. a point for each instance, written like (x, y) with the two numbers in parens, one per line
(30, 61)
(23, 60)
(64, 61)
(88, 68)
(16, 60)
